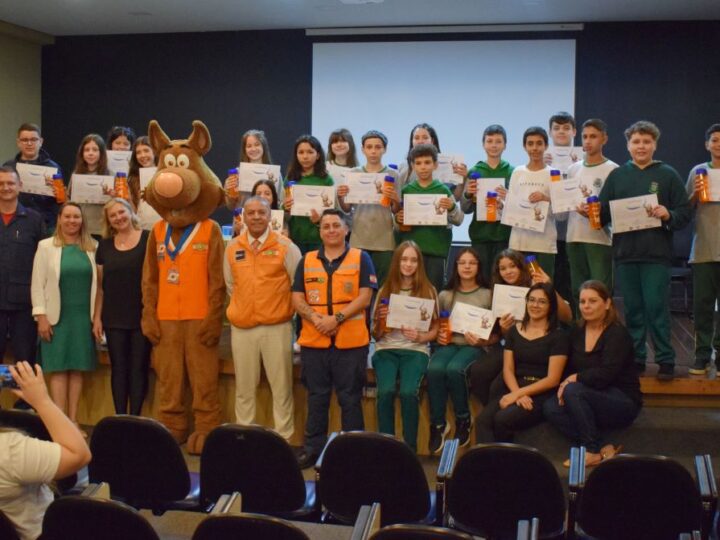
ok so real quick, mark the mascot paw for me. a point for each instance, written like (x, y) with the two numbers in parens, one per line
(196, 442)
(179, 436)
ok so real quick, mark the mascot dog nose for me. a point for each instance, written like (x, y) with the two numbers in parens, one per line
(168, 185)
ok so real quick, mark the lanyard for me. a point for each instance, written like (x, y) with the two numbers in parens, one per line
(172, 253)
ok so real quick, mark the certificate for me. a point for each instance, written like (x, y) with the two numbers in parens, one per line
(277, 217)
(307, 198)
(565, 195)
(521, 213)
(713, 184)
(338, 172)
(424, 210)
(91, 188)
(118, 161)
(365, 188)
(250, 173)
(564, 156)
(146, 213)
(467, 318)
(509, 299)
(410, 311)
(484, 185)
(634, 213)
(444, 171)
(34, 179)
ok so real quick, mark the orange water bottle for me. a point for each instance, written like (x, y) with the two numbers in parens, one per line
(389, 181)
(704, 194)
(555, 175)
(533, 265)
(401, 226)
(444, 330)
(491, 205)
(59, 185)
(233, 192)
(288, 190)
(237, 218)
(121, 186)
(473, 176)
(381, 322)
(594, 212)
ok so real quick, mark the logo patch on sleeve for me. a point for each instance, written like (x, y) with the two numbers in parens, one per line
(373, 279)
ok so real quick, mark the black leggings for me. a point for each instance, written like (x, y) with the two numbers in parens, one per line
(129, 352)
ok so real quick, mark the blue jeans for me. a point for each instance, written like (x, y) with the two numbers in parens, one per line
(587, 412)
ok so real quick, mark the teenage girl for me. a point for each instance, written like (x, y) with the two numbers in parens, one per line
(120, 138)
(142, 156)
(91, 158)
(266, 190)
(254, 148)
(402, 353)
(341, 149)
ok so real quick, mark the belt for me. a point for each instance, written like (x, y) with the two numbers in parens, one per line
(530, 378)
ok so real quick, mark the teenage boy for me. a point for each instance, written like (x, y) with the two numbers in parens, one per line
(29, 143)
(643, 258)
(531, 182)
(589, 251)
(372, 224)
(705, 258)
(434, 241)
(488, 239)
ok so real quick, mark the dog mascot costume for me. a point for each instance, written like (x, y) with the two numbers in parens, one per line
(183, 289)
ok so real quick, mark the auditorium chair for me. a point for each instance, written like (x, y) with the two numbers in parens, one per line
(260, 464)
(418, 532)
(32, 425)
(82, 518)
(7, 528)
(250, 526)
(143, 464)
(637, 497)
(493, 486)
(360, 468)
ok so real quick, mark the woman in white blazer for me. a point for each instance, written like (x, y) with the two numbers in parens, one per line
(63, 297)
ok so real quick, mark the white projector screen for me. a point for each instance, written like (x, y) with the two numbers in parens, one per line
(458, 87)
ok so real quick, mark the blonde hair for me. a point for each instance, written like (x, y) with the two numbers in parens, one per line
(86, 241)
(107, 229)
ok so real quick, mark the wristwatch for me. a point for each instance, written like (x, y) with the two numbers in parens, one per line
(339, 317)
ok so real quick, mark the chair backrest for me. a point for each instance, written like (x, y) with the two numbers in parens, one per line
(7, 528)
(361, 468)
(493, 486)
(418, 532)
(83, 518)
(230, 527)
(639, 497)
(255, 461)
(139, 458)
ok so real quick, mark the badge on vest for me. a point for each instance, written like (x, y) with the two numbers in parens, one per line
(200, 246)
(314, 296)
(270, 252)
(348, 287)
(173, 276)
(161, 252)
(240, 255)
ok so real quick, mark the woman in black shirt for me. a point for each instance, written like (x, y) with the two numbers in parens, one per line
(533, 361)
(118, 306)
(603, 391)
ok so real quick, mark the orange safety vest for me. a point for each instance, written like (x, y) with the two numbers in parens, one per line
(261, 284)
(188, 298)
(345, 287)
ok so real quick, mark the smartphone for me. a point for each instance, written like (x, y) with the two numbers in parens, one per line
(6, 379)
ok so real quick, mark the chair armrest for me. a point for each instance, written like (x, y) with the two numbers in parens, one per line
(100, 490)
(444, 472)
(705, 478)
(367, 522)
(576, 482)
(228, 504)
(318, 463)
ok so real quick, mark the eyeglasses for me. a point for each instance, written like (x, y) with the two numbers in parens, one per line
(34, 140)
(538, 301)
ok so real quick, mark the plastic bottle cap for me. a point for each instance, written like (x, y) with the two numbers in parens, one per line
(384, 301)
(291, 183)
(57, 176)
(237, 212)
(120, 174)
(554, 172)
(700, 170)
(474, 175)
(390, 179)
(492, 194)
(592, 199)
(530, 258)
(393, 166)
(232, 171)
(444, 314)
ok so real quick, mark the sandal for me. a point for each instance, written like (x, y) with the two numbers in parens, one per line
(592, 459)
(609, 451)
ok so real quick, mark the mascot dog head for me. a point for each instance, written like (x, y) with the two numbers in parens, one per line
(184, 190)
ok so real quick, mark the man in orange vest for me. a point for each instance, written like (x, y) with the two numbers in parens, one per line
(259, 266)
(332, 289)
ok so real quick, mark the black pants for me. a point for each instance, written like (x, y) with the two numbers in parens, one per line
(129, 352)
(484, 371)
(18, 328)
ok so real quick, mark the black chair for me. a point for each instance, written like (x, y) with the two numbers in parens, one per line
(258, 463)
(250, 526)
(83, 518)
(361, 468)
(31, 424)
(7, 528)
(418, 532)
(143, 464)
(638, 498)
(493, 486)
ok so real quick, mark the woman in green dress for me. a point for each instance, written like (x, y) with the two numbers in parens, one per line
(63, 297)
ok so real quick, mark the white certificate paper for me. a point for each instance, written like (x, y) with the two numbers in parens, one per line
(34, 177)
(118, 161)
(147, 214)
(306, 198)
(365, 188)
(521, 213)
(338, 173)
(424, 210)
(484, 185)
(88, 188)
(509, 299)
(467, 318)
(250, 173)
(410, 311)
(713, 184)
(444, 172)
(276, 220)
(564, 156)
(634, 213)
(565, 195)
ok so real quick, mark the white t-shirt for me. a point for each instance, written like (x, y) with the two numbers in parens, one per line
(522, 183)
(592, 178)
(26, 466)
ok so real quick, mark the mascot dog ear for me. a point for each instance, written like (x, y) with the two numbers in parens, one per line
(158, 139)
(199, 139)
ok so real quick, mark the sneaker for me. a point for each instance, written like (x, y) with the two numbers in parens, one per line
(462, 430)
(666, 372)
(699, 367)
(437, 437)
(306, 459)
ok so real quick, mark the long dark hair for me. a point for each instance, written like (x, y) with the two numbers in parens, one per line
(552, 316)
(134, 170)
(295, 169)
(80, 165)
(517, 258)
(433, 136)
(343, 134)
(454, 281)
(271, 185)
